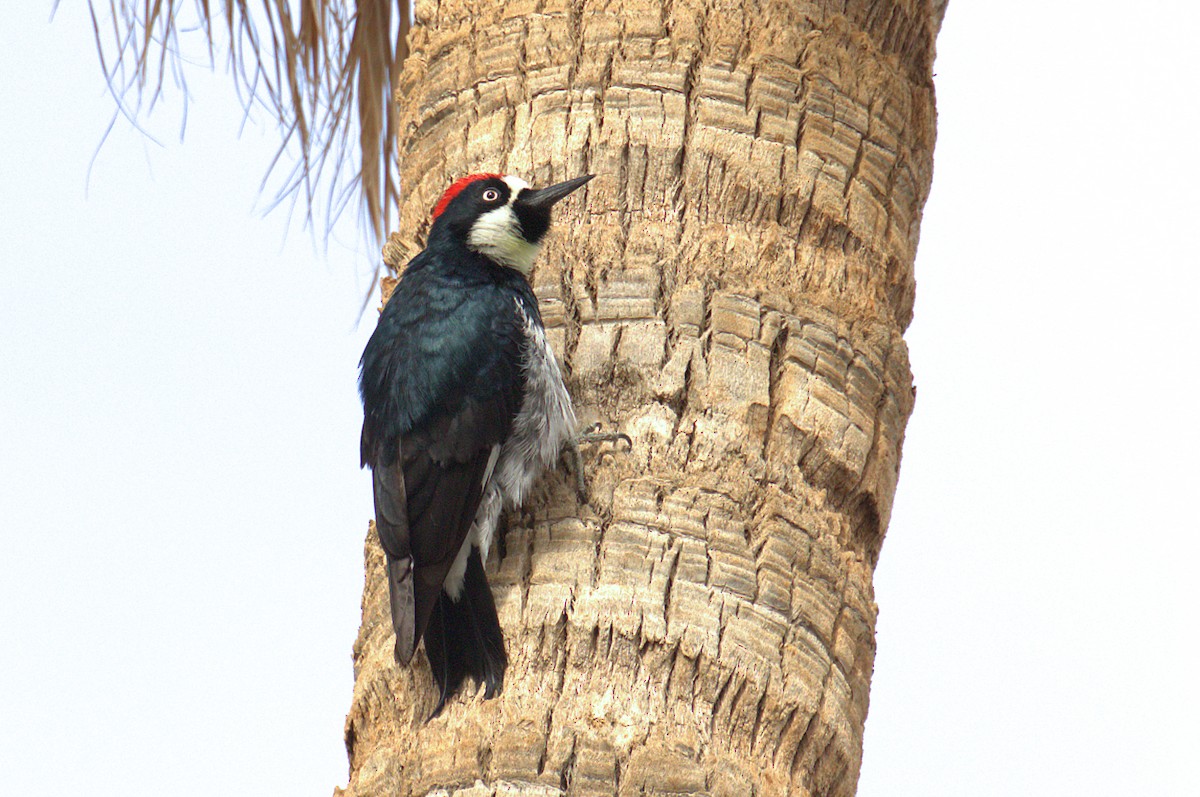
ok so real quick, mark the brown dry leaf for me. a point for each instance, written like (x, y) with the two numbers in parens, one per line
(321, 67)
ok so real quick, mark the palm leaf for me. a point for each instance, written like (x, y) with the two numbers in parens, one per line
(325, 69)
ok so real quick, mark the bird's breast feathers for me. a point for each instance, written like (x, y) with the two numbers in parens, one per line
(544, 423)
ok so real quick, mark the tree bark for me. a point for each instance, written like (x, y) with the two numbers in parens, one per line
(731, 291)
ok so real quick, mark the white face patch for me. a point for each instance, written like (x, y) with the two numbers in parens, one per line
(497, 233)
(515, 183)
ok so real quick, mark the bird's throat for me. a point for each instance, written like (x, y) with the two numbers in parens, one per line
(497, 235)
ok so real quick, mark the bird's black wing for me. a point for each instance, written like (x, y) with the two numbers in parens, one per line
(441, 383)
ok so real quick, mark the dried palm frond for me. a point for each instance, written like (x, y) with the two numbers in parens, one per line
(319, 66)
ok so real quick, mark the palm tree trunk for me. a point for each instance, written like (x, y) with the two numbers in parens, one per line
(731, 292)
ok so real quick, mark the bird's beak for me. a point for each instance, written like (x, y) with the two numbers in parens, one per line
(543, 198)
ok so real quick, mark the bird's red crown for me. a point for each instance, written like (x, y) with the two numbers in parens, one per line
(457, 187)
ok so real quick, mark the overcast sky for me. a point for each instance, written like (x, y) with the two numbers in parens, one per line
(182, 510)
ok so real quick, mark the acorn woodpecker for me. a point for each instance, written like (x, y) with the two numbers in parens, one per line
(463, 407)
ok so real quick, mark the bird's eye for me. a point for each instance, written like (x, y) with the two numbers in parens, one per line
(491, 195)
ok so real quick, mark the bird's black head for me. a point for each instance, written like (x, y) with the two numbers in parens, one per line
(499, 216)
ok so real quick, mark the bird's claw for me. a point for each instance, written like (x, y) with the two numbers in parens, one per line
(592, 434)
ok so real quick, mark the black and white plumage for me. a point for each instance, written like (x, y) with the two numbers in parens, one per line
(464, 407)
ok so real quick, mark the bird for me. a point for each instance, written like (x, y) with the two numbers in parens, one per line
(464, 406)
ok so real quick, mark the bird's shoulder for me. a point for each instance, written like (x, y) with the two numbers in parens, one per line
(445, 301)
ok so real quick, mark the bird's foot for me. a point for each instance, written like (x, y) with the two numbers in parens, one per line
(592, 434)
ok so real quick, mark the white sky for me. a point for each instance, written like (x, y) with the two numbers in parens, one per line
(182, 512)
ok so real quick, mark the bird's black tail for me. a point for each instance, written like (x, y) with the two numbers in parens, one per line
(464, 638)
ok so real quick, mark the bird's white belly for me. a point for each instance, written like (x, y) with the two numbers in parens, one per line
(543, 425)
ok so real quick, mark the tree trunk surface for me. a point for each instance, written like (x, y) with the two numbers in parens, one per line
(731, 291)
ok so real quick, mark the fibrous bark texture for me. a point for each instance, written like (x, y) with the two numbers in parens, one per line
(730, 291)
